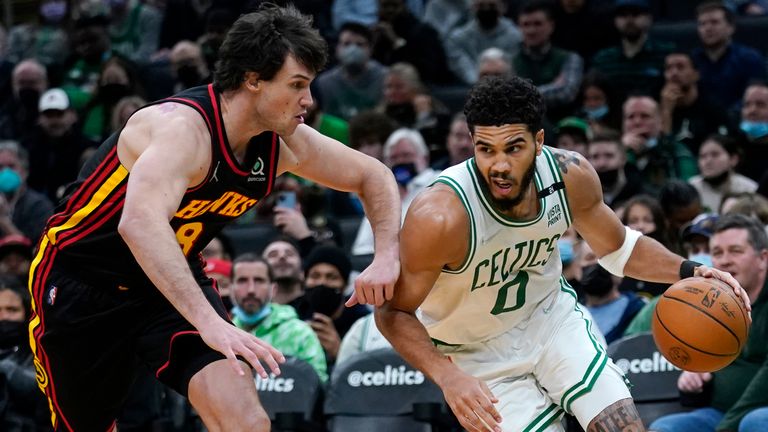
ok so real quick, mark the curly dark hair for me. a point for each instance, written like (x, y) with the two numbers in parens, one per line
(260, 41)
(496, 101)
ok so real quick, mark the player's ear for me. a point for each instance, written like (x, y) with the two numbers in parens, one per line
(539, 140)
(252, 81)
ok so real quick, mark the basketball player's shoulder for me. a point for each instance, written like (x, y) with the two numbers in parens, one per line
(582, 186)
(438, 208)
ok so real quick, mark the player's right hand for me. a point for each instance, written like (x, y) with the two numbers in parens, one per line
(693, 382)
(472, 402)
(232, 342)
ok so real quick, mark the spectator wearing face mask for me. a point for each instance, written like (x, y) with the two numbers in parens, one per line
(406, 154)
(718, 158)
(489, 28)
(612, 310)
(24, 406)
(22, 210)
(754, 125)
(253, 288)
(357, 82)
(188, 66)
(326, 276)
(55, 145)
(618, 181)
(18, 113)
(117, 80)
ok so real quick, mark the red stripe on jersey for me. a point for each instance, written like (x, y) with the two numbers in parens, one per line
(210, 130)
(224, 148)
(39, 287)
(85, 191)
(95, 220)
(272, 162)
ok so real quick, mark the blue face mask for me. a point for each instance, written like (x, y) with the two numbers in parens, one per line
(404, 173)
(596, 113)
(702, 258)
(251, 319)
(566, 251)
(10, 181)
(754, 130)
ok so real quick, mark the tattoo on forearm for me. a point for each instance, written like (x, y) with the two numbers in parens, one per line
(167, 107)
(622, 416)
(565, 159)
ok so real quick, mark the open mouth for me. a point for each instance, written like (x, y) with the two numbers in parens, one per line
(503, 186)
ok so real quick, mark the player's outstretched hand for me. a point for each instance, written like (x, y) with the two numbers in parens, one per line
(472, 403)
(376, 284)
(232, 342)
(709, 272)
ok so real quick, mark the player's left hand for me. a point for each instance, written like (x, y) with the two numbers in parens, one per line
(376, 284)
(709, 272)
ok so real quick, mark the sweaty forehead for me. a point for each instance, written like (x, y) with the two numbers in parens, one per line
(500, 134)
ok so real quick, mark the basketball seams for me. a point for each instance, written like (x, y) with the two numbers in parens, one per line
(705, 312)
(669, 332)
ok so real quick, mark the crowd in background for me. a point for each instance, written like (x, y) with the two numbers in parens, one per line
(676, 128)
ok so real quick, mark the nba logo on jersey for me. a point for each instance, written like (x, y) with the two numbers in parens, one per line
(52, 295)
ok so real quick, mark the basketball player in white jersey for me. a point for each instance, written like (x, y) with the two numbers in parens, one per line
(498, 328)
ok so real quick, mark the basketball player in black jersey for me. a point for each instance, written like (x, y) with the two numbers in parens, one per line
(117, 280)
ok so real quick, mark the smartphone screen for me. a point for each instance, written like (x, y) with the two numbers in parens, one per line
(286, 199)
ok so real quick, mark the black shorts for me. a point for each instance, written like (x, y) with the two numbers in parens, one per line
(89, 341)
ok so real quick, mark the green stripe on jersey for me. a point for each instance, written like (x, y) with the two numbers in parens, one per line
(558, 177)
(472, 229)
(540, 423)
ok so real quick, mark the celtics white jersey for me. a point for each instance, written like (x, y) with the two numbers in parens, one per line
(511, 266)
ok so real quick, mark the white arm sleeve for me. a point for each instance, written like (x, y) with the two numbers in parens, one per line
(615, 261)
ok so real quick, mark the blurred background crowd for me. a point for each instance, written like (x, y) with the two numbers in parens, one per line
(667, 99)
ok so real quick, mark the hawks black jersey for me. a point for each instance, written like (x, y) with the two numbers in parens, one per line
(84, 230)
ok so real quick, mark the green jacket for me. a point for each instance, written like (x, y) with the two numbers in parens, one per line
(669, 159)
(283, 329)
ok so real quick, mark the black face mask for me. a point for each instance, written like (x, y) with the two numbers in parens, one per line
(111, 93)
(404, 113)
(29, 98)
(487, 18)
(12, 333)
(324, 299)
(608, 178)
(718, 179)
(404, 173)
(188, 76)
(596, 281)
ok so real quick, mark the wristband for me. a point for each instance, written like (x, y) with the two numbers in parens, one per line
(687, 267)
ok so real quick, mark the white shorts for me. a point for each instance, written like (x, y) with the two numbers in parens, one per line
(549, 364)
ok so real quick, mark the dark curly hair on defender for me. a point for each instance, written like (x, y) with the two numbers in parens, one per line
(260, 41)
(496, 101)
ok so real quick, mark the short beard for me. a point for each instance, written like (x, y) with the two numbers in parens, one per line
(506, 204)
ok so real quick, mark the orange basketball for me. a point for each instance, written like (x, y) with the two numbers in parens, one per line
(700, 325)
